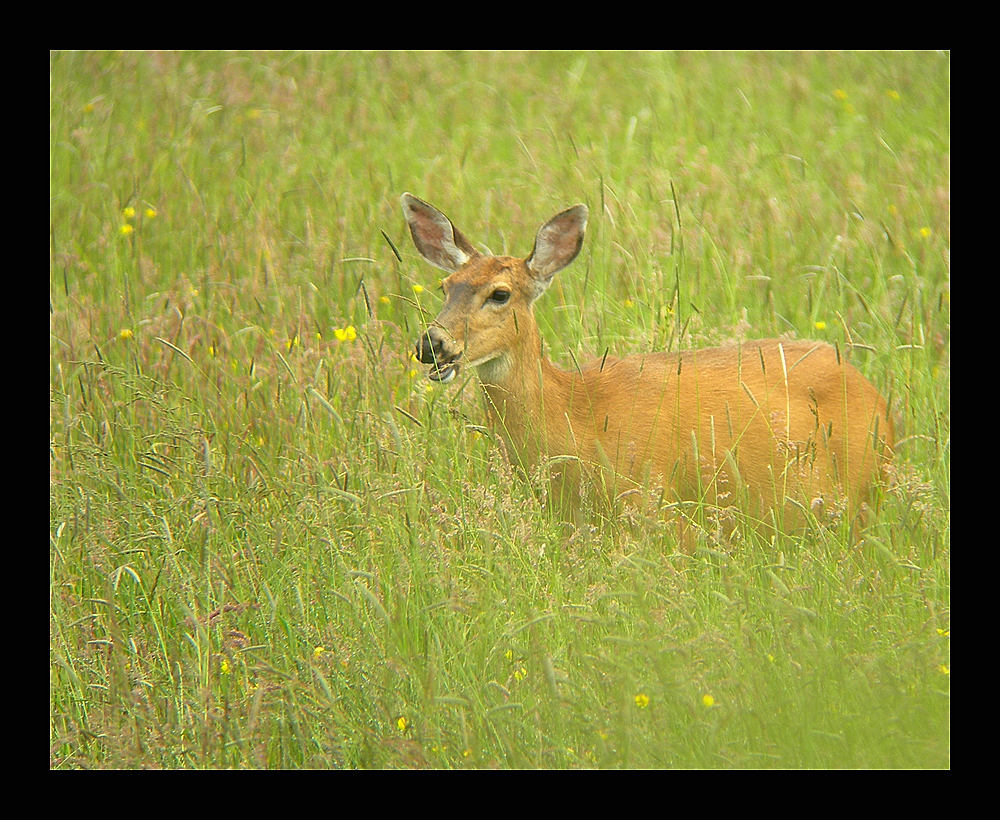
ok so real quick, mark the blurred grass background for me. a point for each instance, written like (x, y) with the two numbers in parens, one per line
(273, 543)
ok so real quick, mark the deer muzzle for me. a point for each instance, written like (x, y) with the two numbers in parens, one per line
(435, 348)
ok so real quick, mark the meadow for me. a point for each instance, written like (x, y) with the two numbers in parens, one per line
(274, 543)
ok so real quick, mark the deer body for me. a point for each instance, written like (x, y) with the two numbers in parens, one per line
(780, 424)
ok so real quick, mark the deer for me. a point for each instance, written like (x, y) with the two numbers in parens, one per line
(787, 428)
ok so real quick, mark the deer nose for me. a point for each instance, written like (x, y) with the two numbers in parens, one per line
(428, 350)
(434, 347)
(425, 350)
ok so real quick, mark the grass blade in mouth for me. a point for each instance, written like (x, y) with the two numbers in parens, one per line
(443, 373)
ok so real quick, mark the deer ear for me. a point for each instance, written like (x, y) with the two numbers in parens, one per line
(558, 242)
(436, 239)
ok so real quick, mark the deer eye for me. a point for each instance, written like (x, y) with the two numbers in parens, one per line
(500, 296)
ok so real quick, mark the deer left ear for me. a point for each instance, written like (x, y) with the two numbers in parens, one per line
(557, 244)
(436, 239)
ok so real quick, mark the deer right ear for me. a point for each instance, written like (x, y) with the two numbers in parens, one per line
(436, 239)
(558, 242)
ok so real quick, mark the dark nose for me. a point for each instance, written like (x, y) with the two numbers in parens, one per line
(430, 347)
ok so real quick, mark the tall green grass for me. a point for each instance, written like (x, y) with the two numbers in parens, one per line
(273, 543)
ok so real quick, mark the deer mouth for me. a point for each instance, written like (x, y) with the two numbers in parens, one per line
(443, 372)
(432, 350)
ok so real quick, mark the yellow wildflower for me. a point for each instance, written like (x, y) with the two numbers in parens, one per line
(840, 94)
(151, 213)
(401, 724)
(125, 334)
(225, 668)
(925, 232)
(319, 650)
(418, 289)
(819, 325)
(944, 670)
(345, 334)
(125, 230)
(641, 700)
(708, 700)
(892, 95)
(129, 212)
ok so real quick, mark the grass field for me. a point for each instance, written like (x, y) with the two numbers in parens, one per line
(274, 543)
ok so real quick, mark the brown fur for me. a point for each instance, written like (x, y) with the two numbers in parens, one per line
(760, 422)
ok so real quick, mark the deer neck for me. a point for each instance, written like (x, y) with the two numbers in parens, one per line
(524, 394)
